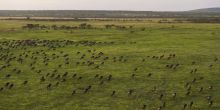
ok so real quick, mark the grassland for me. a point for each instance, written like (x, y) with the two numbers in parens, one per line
(143, 62)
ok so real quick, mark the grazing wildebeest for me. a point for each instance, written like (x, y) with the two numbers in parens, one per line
(191, 104)
(87, 89)
(210, 103)
(25, 82)
(7, 84)
(161, 96)
(42, 79)
(132, 76)
(11, 86)
(113, 93)
(201, 89)
(8, 75)
(184, 106)
(49, 86)
(109, 77)
(1, 89)
(144, 107)
(164, 104)
(174, 95)
(73, 92)
(96, 76)
(130, 92)
(149, 75)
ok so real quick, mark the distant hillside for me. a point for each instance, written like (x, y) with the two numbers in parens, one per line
(206, 10)
(105, 14)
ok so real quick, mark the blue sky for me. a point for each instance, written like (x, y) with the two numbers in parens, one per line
(147, 5)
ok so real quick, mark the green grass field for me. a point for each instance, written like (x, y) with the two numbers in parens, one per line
(163, 67)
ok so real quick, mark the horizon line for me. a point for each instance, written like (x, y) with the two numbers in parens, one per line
(102, 10)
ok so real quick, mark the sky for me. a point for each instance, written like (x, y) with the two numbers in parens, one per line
(136, 5)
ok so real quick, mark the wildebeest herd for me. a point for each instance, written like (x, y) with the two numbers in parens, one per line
(85, 69)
